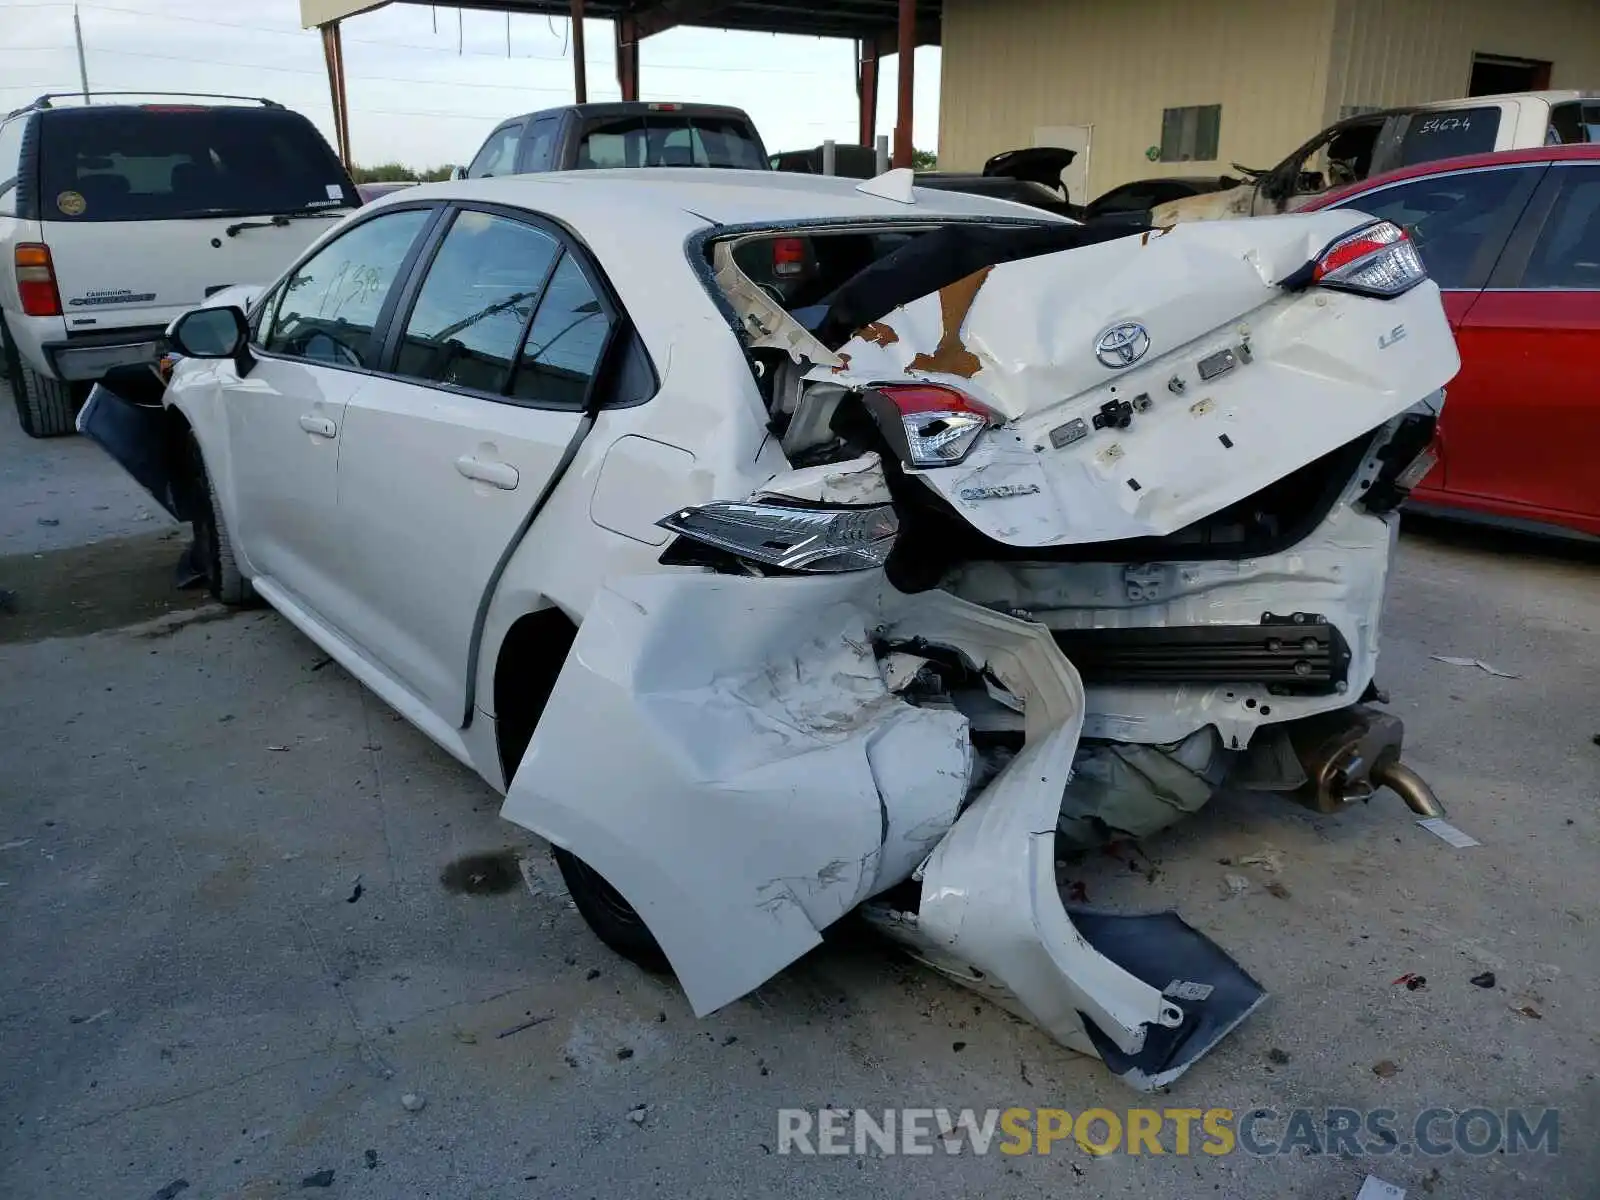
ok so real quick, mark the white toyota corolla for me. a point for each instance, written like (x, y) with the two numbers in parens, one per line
(783, 546)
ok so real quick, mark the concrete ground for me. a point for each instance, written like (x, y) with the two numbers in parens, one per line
(236, 932)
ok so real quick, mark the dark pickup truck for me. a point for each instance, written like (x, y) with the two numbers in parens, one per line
(580, 137)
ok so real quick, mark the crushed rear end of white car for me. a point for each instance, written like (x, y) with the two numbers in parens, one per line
(1070, 544)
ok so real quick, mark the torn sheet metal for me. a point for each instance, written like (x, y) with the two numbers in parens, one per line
(723, 750)
(855, 481)
(1161, 446)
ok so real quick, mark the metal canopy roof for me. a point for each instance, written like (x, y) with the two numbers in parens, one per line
(866, 20)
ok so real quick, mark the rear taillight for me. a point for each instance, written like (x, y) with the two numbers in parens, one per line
(36, 280)
(788, 257)
(1376, 260)
(927, 424)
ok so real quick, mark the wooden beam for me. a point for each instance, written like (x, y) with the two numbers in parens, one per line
(866, 91)
(667, 14)
(627, 57)
(580, 71)
(906, 54)
(333, 59)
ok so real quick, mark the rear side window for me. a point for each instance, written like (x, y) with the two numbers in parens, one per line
(1574, 123)
(670, 140)
(10, 159)
(1459, 222)
(565, 341)
(1434, 135)
(328, 307)
(539, 150)
(467, 323)
(169, 163)
(1567, 255)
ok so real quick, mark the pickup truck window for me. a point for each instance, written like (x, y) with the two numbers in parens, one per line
(499, 153)
(668, 140)
(1449, 134)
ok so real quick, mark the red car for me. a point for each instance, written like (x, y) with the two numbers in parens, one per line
(1513, 241)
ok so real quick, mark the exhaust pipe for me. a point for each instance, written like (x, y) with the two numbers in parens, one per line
(1349, 754)
(1409, 786)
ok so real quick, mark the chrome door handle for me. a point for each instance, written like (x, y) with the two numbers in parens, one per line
(320, 426)
(496, 474)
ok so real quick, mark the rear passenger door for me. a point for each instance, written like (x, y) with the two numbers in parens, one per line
(1525, 429)
(494, 348)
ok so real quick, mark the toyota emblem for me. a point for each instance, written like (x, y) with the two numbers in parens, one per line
(1122, 345)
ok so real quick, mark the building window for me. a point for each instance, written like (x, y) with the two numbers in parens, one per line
(1191, 134)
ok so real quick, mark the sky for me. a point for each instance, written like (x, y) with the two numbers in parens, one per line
(425, 91)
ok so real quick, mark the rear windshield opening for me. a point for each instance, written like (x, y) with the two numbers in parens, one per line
(667, 140)
(144, 164)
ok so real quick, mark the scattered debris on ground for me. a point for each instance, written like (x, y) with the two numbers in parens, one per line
(1446, 832)
(1237, 885)
(355, 891)
(371, 1157)
(1269, 860)
(412, 1102)
(1386, 1069)
(1486, 980)
(1373, 1188)
(171, 1190)
(1474, 662)
(518, 1028)
(1274, 888)
(637, 1115)
(1277, 1056)
(320, 1179)
(482, 874)
(1413, 981)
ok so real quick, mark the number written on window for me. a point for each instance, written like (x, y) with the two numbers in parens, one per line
(327, 308)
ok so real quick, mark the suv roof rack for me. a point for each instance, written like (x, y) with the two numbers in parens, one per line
(44, 100)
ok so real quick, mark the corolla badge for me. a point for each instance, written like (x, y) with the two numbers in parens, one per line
(1122, 345)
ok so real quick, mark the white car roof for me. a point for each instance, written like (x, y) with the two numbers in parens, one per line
(673, 201)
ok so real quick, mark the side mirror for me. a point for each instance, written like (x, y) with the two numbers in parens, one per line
(220, 332)
(458, 173)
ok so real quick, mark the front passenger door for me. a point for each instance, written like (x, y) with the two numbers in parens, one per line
(285, 418)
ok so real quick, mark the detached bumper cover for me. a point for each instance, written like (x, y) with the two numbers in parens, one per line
(726, 753)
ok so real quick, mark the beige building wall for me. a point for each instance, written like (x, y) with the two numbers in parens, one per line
(1009, 67)
(1387, 52)
(1281, 69)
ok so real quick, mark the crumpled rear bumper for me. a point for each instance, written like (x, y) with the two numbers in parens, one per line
(725, 751)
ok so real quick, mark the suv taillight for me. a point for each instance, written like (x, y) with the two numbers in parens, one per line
(1375, 260)
(36, 280)
(928, 424)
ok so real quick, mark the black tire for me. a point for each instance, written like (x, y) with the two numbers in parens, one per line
(214, 546)
(610, 916)
(44, 406)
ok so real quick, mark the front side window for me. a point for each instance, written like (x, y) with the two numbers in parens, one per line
(481, 288)
(1434, 135)
(326, 310)
(1567, 255)
(1458, 222)
(499, 154)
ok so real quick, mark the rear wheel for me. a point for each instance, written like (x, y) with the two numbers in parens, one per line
(612, 918)
(44, 406)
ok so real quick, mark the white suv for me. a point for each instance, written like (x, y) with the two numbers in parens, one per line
(116, 218)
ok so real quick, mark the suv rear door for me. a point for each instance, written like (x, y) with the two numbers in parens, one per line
(148, 209)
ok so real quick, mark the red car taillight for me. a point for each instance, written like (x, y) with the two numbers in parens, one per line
(36, 280)
(928, 424)
(788, 257)
(1375, 260)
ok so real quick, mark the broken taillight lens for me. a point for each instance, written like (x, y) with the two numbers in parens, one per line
(791, 537)
(1375, 260)
(928, 424)
(36, 280)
